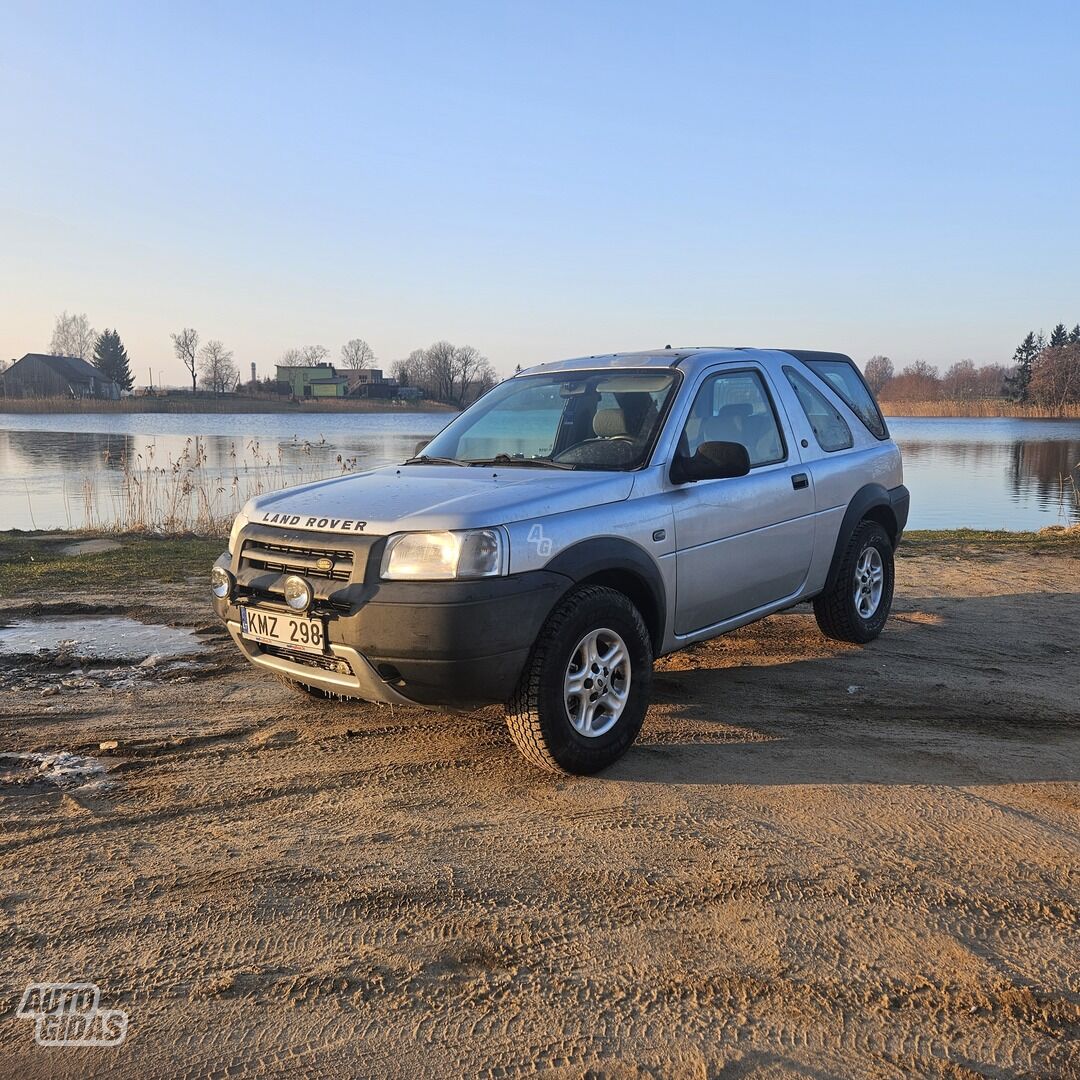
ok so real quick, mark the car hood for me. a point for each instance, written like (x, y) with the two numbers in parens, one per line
(423, 497)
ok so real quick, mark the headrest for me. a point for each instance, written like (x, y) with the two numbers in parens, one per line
(608, 423)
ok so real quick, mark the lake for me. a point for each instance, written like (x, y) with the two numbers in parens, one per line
(983, 473)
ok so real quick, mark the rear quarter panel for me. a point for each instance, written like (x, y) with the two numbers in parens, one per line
(837, 477)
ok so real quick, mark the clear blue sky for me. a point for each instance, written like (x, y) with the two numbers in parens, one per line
(541, 179)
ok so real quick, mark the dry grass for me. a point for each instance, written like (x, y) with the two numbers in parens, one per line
(184, 495)
(986, 408)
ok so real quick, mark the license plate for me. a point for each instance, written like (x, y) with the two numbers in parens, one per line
(279, 629)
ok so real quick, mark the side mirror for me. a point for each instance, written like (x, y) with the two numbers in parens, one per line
(713, 461)
(420, 447)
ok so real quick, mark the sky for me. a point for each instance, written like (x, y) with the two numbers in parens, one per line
(540, 180)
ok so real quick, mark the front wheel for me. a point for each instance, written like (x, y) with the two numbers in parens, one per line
(585, 688)
(858, 604)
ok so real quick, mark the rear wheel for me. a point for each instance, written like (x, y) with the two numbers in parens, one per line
(858, 604)
(585, 688)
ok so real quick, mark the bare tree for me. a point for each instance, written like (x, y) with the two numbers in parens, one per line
(357, 354)
(411, 370)
(215, 363)
(484, 377)
(440, 370)
(466, 361)
(186, 345)
(878, 372)
(473, 374)
(305, 356)
(1055, 377)
(72, 336)
(961, 381)
(992, 380)
(446, 372)
(919, 381)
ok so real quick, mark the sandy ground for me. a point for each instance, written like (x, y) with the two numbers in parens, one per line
(819, 861)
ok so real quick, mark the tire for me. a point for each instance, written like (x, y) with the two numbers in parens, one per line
(838, 615)
(539, 713)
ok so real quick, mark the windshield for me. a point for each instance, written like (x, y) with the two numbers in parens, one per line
(565, 419)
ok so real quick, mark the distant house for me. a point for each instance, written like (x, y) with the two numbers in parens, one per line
(371, 383)
(365, 376)
(42, 375)
(312, 380)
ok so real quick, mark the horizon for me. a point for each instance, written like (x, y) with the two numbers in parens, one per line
(263, 372)
(539, 184)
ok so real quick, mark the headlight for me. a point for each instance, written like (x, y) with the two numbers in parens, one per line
(298, 593)
(238, 523)
(221, 582)
(442, 556)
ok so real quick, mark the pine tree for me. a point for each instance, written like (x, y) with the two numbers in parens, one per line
(111, 359)
(1059, 336)
(1074, 335)
(1023, 358)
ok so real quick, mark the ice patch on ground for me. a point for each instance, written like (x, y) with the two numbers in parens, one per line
(105, 638)
(89, 547)
(61, 769)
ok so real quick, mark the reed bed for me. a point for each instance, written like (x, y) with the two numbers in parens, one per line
(985, 408)
(185, 495)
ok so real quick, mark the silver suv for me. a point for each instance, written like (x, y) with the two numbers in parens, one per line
(578, 521)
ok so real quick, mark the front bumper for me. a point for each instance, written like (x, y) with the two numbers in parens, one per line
(455, 644)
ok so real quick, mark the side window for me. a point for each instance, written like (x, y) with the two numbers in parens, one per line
(830, 428)
(735, 407)
(845, 380)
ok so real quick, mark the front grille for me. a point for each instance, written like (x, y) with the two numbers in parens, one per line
(287, 559)
(317, 660)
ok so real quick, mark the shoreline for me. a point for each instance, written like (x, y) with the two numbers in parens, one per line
(45, 560)
(211, 406)
(991, 409)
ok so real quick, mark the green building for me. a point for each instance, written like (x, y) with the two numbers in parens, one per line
(312, 380)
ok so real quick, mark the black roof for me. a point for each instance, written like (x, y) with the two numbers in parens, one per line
(73, 368)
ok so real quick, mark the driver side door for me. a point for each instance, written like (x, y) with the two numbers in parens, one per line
(745, 542)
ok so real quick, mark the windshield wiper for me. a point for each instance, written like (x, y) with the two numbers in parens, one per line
(506, 459)
(423, 459)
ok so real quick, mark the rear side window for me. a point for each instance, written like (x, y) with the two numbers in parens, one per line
(844, 379)
(830, 428)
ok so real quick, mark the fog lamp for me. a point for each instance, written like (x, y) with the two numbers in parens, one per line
(298, 594)
(221, 582)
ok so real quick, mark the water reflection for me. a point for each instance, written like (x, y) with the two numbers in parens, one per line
(55, 478)
(990, 473)
(33, 451)
(1049, 470)
(1013, 474)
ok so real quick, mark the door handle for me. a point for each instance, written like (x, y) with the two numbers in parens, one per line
(799, 481)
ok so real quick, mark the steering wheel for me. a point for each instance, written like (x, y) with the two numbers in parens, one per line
(578, 453)
(593, 440)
